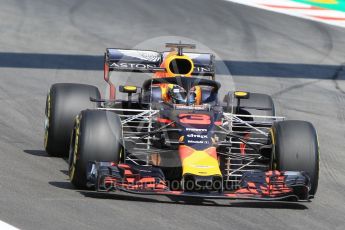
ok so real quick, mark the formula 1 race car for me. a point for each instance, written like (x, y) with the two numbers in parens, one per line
(176, 135)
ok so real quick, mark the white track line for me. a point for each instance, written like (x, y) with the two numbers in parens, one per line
(6, 226)
(301, 10)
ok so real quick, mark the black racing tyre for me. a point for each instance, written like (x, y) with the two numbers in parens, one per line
(97, 136)
(64, 102)
(296, 148)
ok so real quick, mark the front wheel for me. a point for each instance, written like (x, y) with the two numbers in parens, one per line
(295, 148)
(97, 136)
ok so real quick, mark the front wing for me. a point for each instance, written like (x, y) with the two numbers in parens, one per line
(149, 180)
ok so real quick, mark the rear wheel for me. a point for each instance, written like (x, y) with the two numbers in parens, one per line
(64, 102)
(97, 136)
(295, 148)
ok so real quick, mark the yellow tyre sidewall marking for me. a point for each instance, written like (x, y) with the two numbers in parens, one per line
(75, 148)
(274, 164)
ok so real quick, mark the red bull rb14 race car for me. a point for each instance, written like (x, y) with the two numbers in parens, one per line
(176, 134)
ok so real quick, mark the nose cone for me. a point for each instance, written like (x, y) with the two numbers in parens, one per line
(200, 163)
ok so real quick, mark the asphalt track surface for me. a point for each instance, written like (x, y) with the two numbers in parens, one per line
(298, 62)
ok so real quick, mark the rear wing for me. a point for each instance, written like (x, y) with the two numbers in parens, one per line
(147, 61)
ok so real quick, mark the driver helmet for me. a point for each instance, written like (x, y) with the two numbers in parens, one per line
(178, 95)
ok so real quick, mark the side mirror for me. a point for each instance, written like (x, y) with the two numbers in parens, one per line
(241, 95)
(129, 89)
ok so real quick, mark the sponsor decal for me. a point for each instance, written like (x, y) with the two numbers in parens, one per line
(192, 135)
(202, 69)
(206, 142)
(203, 166)
(197, 136)
(142, 55)
(196, 130)
(124, 65)
(192, 107)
